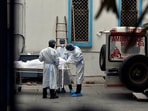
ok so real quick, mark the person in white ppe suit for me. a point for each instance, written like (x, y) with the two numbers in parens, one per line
(76, 57)
(61, 51)
(49, 57)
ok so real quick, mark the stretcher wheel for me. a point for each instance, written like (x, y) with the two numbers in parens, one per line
(19, 89)
(134, 73)
(102, 58)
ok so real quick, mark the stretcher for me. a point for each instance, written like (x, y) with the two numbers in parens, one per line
(29, 70)
(35, 66)
(20, 71)
(31, 66)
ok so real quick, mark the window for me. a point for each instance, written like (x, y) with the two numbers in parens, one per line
(80, 23)
(129, 11)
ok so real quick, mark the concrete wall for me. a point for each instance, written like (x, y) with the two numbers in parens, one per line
(144, 4)
(41, 22)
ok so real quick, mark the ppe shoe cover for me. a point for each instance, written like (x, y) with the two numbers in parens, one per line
(72, 92)
(76, 95)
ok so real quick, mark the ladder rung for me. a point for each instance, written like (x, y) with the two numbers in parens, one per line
(61, 23)
(61, 38)
(61, 30)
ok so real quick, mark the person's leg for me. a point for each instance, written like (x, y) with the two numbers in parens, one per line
(66, 81)
(44, 93)
(79, 87)
(79, 78)
(71, 89)
(53, 94)
(58, 81)
(78, 91)
(53, 83)
(58, 90)
(63, 90)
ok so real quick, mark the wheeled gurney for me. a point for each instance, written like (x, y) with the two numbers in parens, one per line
(34, 66)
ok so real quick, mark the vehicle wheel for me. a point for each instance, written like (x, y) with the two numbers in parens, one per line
(102, 58)
(134, 73)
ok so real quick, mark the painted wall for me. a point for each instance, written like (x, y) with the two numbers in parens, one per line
(40, 25)
(144, 4)
(41, 21)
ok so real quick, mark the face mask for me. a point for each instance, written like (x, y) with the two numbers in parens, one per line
(62, 45)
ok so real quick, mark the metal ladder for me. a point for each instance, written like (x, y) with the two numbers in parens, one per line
(60, 32)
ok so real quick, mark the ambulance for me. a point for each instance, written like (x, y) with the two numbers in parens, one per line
(125, 67)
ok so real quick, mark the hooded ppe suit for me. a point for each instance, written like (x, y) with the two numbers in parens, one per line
(49, 57)
(75, 56)
(66, 78)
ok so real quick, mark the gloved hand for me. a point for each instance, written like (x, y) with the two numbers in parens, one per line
(65, 53)
(70, 59)
(67, 62)
(57, 61)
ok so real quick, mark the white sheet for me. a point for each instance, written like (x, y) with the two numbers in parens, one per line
(35, 63)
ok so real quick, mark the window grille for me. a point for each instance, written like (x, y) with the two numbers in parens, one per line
(80, 21)
(129, 13)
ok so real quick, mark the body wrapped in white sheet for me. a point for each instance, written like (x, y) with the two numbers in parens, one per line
(63, 69)
(35, 63)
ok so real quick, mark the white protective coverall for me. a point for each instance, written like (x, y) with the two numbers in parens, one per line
(49, 56)
(61, 52)
(77, 58)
